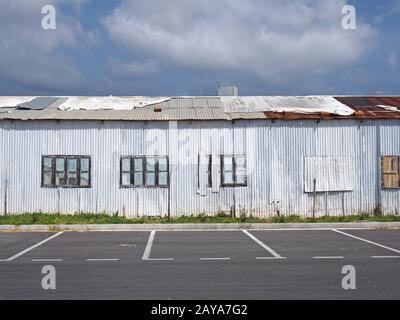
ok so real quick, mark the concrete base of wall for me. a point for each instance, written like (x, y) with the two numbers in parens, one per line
(199, 227)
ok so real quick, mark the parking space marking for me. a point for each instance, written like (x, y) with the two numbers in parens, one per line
(147, 250)
(329, 257)
(385, 257)
(47, 260)
(367, 241)
(206, 259)
(116, 259)
(270, 258)
(33, 247)
(262, 244)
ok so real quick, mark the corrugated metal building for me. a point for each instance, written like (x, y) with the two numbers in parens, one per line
(257, 156)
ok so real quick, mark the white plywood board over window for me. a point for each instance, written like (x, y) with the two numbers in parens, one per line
(330, 174)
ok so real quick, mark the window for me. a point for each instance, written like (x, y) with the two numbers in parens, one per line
(139, 172)
(233, 171)
(390, 172)
(66, 172)
(209, 166)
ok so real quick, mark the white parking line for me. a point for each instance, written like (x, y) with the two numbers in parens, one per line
(147, 250)
(385, 257)
(329, 257)
(205, 259)
(367, 241)
(33, 247)
(102, 259)
(269, 258)
(263, 245)
(47, 260)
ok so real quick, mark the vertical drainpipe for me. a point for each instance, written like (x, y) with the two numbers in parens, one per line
(378, 190)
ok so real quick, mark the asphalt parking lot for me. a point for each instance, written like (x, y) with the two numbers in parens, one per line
(273, 264)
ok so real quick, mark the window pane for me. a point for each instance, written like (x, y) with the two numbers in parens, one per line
(60, 164)
(150, 179)
(138, 163)
(138, 179)
(72, 165)
(85, 164)
(150, 164)
(47, 164)
(84, 179)
(126, 179)
(60, 179)
(228, 178)
(240, 162)
(241, 179)
(126, 165)
(72, 179)
(163, 178)
(162, 164)
(228, 164)
(47, 178)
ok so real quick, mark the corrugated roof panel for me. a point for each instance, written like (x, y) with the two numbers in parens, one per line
(38, 103)
(202, 108)
(354, 101)
(13, 101)
(385, 101)
(247, 115)
(209, 114)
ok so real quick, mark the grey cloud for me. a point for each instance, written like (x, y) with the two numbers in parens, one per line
(118, 69)
(267, 38)
(32, 57)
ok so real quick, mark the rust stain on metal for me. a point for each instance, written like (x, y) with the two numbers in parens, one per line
(364, 108)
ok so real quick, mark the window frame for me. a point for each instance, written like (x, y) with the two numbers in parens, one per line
(383, 173)
(144, 171)
(234, 174)
(65, 171)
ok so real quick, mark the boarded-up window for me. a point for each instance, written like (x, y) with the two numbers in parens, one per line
(390, 172)
(329, 173)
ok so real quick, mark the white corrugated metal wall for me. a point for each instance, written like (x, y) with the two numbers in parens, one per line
(275, 159)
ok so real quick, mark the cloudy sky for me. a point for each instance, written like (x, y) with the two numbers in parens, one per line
(184, 47)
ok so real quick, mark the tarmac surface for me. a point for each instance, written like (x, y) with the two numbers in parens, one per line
(239, 265)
